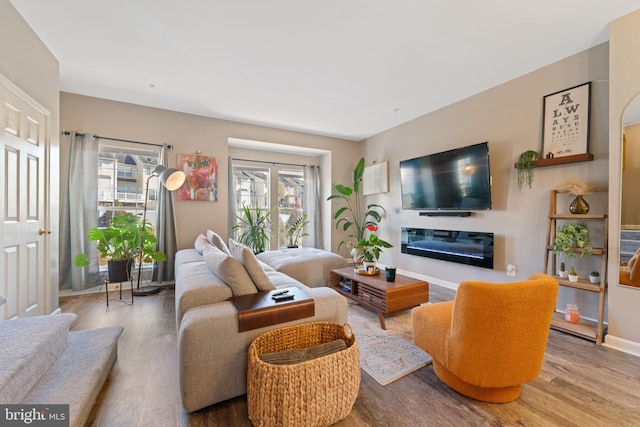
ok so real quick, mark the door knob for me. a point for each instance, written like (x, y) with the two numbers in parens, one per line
(44, 231)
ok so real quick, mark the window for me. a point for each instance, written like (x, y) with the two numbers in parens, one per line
(264, 186)
(122, 175)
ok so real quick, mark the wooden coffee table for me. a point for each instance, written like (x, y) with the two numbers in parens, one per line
(377, 294)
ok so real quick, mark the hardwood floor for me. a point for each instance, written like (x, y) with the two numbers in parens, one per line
(581, 384)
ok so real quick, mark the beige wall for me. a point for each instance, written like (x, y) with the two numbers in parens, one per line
(624, 63)
(510, 118)
(189, 133)
(27, 62)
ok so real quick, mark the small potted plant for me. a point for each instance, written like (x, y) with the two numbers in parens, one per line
(594, 277)
(296, 231)
(573, 276)
(562, 272)
(525, 164)
(570, 237)
(371, 249)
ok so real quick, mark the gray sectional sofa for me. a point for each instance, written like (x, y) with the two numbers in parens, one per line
(212, 353)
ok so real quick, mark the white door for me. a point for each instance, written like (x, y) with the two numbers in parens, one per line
(24, 261)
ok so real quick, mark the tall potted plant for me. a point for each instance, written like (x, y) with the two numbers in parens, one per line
(254, 228)
(354, 217)
(121, 243)
(296, 231)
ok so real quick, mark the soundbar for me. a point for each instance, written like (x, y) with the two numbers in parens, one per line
(447, 213)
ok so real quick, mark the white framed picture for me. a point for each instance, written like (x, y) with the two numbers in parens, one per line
(375, 178)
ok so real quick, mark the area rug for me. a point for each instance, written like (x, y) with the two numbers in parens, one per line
(386, 355)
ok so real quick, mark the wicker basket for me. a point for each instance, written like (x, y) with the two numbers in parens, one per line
(318, 392)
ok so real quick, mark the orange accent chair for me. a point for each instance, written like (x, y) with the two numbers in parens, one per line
(491, 338)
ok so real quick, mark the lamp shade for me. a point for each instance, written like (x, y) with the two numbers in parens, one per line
(172, 178)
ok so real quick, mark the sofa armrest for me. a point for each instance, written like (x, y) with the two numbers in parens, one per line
(213, 354)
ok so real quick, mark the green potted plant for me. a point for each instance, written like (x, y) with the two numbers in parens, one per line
(253, 228)
(525, 164)
(562, 272)
(371, 249)
(594, 277)
(296, 231)
(570, 237)
(573, 276)
(354, 217)
(121, 243)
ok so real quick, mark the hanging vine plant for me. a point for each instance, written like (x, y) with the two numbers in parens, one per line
(525, 164)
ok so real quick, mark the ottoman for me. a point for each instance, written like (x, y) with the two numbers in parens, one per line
(310, 266)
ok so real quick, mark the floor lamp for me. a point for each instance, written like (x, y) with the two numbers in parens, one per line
(171, 179)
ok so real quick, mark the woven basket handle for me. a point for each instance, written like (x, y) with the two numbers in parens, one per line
(348, 331)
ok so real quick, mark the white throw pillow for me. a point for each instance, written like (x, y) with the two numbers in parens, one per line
(201, 242)
(216, 240)
(246, 256)
(230, 270)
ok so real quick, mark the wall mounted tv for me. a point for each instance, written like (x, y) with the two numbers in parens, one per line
(464, 247)
(457, 179)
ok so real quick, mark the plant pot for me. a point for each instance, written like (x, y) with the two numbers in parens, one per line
(563, 274)
(594, 279)
(369, 266)
(573, 278)
(120, 271)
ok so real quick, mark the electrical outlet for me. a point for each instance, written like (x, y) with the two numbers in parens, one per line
(511, 270)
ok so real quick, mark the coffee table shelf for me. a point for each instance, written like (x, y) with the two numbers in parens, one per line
(376, 293)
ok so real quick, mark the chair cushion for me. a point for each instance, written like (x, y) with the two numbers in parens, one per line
(230, 270)
(245, 255)
(217, 241)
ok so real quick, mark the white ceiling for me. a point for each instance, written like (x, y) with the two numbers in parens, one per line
(341, 68)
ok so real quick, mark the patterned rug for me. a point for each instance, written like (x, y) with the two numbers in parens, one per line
(386, 355)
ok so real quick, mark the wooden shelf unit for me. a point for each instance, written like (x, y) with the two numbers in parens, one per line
(586, 329)
(576, 158)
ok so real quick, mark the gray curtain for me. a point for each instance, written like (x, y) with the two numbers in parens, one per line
(165, 229)
(313, 203)
(78, 209)
(231, 218)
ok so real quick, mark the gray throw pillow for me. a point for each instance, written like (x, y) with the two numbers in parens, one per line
(201, 242)
(216, 240)
(230, 270)
(245, 255)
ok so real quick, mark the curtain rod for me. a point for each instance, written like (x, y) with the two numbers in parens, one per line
(269, 163)
(170, 147)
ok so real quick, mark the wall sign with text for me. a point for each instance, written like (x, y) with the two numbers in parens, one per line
(566, 122)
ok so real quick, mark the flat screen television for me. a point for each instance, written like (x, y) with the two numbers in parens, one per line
(457, 179)
(464, 247)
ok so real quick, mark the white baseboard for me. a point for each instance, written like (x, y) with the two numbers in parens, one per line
(430, 280)
(621, 344)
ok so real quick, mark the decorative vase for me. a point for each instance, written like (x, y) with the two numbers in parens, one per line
(357, 256)
(579, 206)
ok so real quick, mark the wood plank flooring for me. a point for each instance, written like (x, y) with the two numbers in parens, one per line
(581, 384)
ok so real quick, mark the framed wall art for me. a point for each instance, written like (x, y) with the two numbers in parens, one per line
(201, 181)
(375, 178)
(566, 122)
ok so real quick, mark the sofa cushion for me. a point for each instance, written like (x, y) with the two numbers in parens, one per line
(230, 270)
(200, 243)
(217, 241)
(245, 255)
(196, 284)
(310, 266)
(29, 347)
